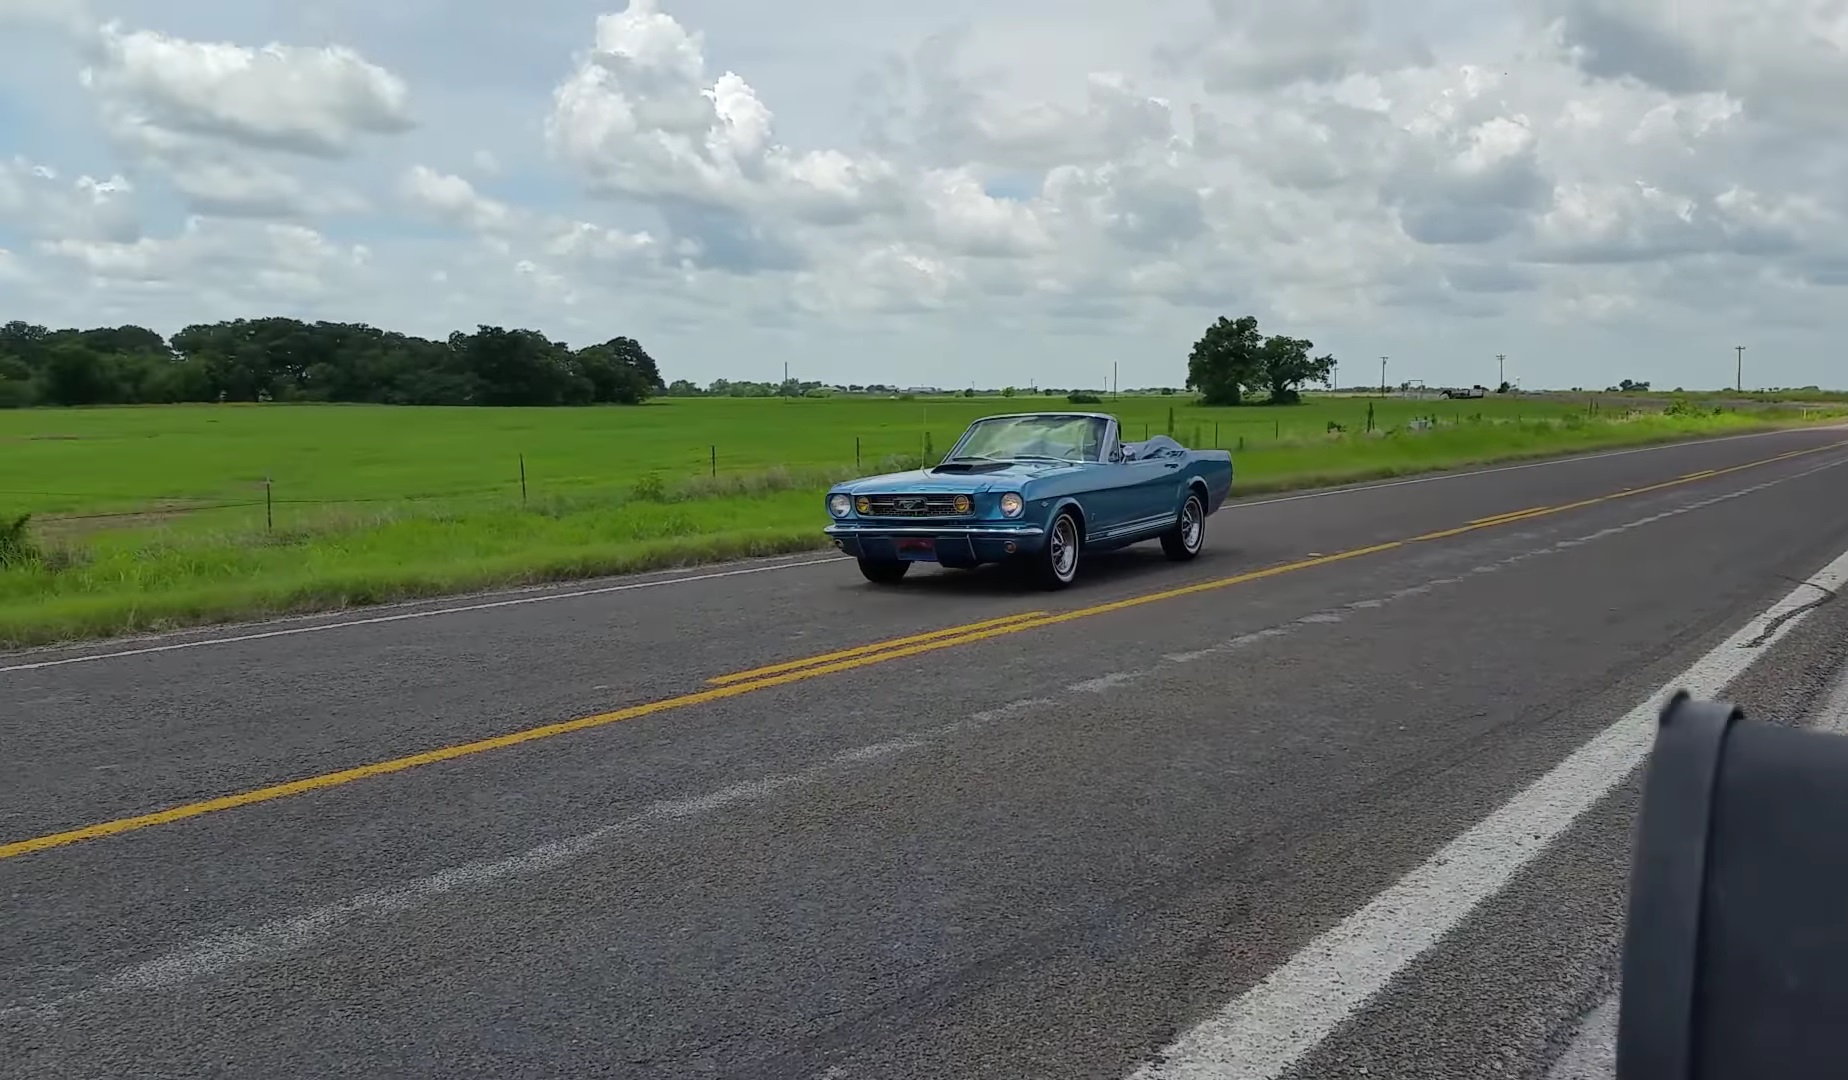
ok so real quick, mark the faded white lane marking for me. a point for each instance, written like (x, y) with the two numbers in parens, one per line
(1592, 1054)
(1103, 682)
(1269, 1028)
(405, 616)
(211, 955)
(544, 595)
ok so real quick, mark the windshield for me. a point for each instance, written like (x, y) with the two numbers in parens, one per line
(1008, 438)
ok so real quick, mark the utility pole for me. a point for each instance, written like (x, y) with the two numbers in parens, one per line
(1501, 369)
(1739, 351)
(1113, 378)
(1382, 376)
(785, 387)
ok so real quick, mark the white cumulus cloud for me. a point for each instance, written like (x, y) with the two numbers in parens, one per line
(995, 193)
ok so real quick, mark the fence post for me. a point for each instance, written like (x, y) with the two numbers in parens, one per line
(856, 451)
(715, 459)
(1216, 445)
(522, 481)
(1276, 429)
(269, 505)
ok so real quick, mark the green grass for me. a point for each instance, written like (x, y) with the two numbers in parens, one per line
(155, 517)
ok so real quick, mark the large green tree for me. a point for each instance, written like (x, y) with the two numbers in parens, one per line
(1225, 360)
(1284, 365)
(1232, 359)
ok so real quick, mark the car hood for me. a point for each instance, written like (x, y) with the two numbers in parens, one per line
(973, 478)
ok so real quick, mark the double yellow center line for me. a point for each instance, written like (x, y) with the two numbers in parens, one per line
(764, 678)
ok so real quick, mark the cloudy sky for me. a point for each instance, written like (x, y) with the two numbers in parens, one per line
(953, 192)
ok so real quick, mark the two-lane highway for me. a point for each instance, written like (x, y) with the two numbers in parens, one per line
(770, 821)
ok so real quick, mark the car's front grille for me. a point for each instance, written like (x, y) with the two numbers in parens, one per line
(914, 505)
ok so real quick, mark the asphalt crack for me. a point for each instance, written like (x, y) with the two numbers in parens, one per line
(1770, 629)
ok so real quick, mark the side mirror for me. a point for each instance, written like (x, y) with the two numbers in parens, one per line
(1735, 954)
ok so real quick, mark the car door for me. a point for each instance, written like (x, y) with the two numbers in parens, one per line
(1128, 495)
(1153, 495)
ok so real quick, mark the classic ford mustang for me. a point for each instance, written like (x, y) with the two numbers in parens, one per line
(1035, 489)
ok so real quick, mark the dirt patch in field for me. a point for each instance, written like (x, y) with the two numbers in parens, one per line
(66, 526)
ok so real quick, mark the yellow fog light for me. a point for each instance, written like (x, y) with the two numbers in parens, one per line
(863, 505)
(962, 504)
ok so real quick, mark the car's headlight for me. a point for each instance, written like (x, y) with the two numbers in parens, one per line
(838, 505)
(1011, 505)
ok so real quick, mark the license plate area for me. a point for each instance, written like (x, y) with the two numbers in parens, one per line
(917, 548)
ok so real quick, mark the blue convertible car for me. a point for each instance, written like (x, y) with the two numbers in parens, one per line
(1036, 489)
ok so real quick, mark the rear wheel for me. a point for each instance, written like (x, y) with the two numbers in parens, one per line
(1055, 565)
(884, 571)
(1188, 536)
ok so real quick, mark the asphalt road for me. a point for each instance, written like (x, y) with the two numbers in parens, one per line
(1315, 805)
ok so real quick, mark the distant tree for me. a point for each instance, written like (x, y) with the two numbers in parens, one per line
(1284, 365)
(76, 375)
(630, 353)
(613, 377)
(281, 359)
(1225, 360)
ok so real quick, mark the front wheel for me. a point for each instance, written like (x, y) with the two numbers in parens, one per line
(884, 571)
(1055, 565)
(1188, 536)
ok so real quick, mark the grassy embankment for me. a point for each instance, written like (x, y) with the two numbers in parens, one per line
(157, 517)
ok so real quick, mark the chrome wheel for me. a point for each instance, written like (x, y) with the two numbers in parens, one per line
(1193, 525)
(1188, 536)
(1064, 545)
(1055, 565)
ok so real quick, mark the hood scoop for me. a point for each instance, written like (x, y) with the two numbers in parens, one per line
(965, 468)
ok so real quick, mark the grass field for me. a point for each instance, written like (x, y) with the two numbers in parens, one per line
(163, 516)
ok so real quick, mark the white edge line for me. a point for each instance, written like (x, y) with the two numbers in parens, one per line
(574, 594)
(1269, 1028)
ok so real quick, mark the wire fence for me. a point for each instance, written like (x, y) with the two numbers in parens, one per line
(554, 480)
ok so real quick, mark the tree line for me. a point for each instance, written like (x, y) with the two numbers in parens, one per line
(277, 359)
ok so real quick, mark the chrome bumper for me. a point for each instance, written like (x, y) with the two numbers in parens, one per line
(974, 532)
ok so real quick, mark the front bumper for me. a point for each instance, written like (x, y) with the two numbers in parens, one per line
(950, 544)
